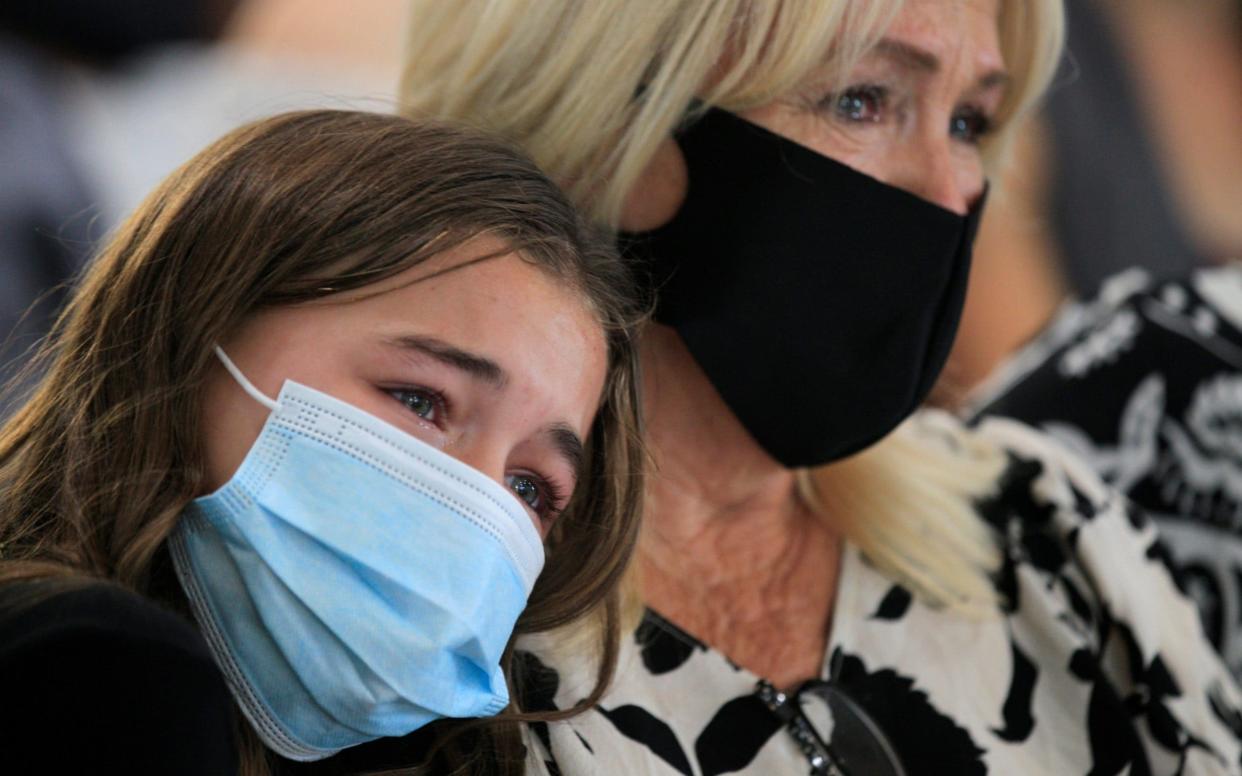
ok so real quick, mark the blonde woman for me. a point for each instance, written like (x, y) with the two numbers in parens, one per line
(832, 581)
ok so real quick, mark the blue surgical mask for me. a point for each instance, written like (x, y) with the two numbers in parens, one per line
(353, 582)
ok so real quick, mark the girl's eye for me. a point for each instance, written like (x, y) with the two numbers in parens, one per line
(423, 403)
(863, 104)
(970, 125)
(527, 489)
(540, 495)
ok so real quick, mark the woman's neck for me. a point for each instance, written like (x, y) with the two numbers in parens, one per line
(729, 551)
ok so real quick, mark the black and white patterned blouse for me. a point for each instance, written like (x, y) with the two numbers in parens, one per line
(1097, 665)
(1144, 383)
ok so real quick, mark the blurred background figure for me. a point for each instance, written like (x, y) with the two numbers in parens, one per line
(1136, 161)
(99, 101)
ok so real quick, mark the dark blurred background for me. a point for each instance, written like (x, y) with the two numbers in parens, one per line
(1137, 159)
(100, 100)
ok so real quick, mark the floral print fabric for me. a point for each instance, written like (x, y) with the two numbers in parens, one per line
(1096, 664)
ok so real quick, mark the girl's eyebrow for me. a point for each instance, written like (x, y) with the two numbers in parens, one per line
(568, 445)
(565, 441)
(473, 364)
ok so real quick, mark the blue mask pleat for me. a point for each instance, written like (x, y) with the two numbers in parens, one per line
(354, 582)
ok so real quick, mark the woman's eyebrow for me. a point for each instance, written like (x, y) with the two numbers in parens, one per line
(473, 364)
(908, 56)
(915, 58)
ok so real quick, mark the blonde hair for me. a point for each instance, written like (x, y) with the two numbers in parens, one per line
(590, 90)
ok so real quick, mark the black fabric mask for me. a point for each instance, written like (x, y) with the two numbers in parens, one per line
(820, 302)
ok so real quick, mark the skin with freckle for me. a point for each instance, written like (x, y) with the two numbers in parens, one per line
(548, 344)
(426, 282)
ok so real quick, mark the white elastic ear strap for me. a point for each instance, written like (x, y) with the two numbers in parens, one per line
(246, 385)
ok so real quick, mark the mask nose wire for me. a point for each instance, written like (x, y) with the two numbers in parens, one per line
(245, 384)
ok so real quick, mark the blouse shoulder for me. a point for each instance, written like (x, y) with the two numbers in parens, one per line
(1041, 464)
(1063, 529)
(98, 675)
(1144, 384)
(1053, 513)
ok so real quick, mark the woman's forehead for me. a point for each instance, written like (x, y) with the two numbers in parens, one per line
(925, 37)
(946, 27)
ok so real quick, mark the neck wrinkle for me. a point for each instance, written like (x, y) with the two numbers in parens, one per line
(729, 552)
(705, 462)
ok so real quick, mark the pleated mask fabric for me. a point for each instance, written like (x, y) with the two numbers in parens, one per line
(352, 581)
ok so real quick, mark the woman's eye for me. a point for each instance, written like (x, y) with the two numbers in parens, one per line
(424, 404)
(863, 104)
(969, 125)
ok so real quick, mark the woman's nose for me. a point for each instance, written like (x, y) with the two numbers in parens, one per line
(936, 173)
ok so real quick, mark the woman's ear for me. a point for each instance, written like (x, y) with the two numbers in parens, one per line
(659, 191)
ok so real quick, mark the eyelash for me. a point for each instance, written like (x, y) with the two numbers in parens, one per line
(835, 103)
(551, 495)
(839, 105)
(983, 121)
(440, 402)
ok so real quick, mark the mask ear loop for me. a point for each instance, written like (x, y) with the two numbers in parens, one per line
(245, 384)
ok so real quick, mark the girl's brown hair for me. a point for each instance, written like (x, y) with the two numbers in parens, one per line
(97, 465)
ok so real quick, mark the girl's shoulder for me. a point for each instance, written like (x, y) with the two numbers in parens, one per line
(97, 675)
(47, 611)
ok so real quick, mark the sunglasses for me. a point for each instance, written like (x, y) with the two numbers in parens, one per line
(837, 736)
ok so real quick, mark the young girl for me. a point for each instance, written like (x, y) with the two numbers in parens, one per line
(326, 395)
